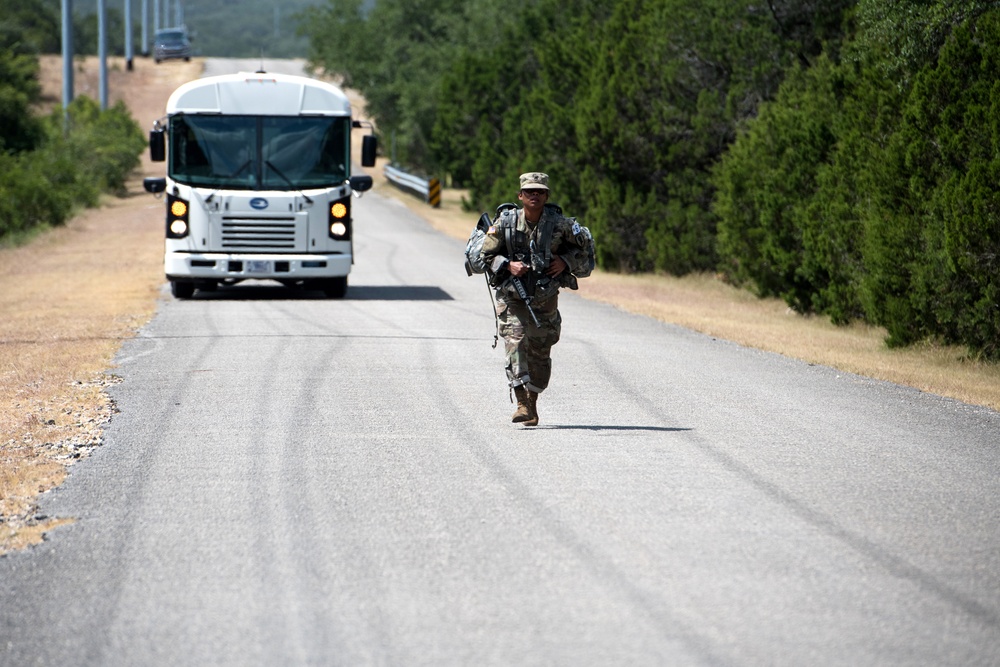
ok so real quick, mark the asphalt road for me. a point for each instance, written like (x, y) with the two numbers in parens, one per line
(293, 480)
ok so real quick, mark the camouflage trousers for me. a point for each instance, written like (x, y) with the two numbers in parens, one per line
(529, 347)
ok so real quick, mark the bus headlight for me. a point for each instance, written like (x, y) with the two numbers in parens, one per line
(339, 219)
(178, 225)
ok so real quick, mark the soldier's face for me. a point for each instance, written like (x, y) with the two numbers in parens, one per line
(534, 198)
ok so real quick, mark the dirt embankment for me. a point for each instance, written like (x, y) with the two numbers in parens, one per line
(69, 299)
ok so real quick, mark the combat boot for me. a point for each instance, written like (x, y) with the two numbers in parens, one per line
(523, 412)
(532, 419)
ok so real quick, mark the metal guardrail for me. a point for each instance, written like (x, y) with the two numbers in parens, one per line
(428, 188)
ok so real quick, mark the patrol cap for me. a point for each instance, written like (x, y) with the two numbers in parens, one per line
(534, 180)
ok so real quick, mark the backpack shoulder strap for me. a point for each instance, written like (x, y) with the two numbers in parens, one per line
(508, 220)
(545, 238)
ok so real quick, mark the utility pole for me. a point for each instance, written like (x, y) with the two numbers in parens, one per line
(145, 27)
(156, 16)
(67, 52)
(102, 50)
(128, 35)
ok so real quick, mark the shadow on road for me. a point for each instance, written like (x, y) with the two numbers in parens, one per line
(397, 293)
(265, 292)
(611, 427)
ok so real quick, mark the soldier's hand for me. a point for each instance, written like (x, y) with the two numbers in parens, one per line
(518, 269)
(556, 266)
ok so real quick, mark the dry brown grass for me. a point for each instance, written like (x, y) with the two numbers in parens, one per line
(706, 304)
(69, 299)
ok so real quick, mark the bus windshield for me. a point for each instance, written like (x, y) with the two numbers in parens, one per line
(259, 152)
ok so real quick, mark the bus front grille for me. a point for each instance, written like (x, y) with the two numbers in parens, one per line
(258, 234)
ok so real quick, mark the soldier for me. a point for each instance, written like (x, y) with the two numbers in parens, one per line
(530, 253)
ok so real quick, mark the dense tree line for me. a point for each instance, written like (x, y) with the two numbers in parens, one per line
(867, 188)
(52, 164)
(840, 154)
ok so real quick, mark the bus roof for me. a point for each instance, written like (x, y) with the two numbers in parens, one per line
(259, 94)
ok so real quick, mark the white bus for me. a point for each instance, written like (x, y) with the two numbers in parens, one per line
(258, 182)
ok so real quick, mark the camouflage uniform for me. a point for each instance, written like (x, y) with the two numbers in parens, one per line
(528, 346)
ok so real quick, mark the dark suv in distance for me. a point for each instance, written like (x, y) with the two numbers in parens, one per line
(171, 43)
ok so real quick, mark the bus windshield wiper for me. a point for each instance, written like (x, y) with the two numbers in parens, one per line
(240, 170)
(287, 180)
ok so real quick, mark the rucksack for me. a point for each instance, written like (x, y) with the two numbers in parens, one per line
(473, 248)
(584, 268)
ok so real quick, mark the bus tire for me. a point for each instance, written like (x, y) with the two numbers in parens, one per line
(335, 288)
(181, 289)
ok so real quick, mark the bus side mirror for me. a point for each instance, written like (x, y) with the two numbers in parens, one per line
(361, 183)
(369, 146)
(154, 185)
(157, 146)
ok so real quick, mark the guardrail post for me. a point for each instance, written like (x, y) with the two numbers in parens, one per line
(434, 193)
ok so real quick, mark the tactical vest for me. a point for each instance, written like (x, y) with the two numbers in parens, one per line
(522, 247)
(534, 249)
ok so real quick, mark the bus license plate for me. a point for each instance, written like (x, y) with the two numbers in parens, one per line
(258, 266)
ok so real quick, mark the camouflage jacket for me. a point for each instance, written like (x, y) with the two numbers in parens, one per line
(510, 238)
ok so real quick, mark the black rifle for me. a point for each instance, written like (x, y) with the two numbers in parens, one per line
(523, 293)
